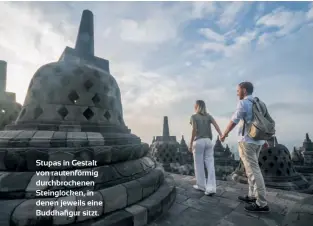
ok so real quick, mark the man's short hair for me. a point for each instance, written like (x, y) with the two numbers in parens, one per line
(248, 86)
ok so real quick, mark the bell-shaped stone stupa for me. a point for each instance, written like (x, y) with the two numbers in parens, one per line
(165, 149)
(73, 114)
(224, 161)
(185, 155)
(277, 169)
(305, 154)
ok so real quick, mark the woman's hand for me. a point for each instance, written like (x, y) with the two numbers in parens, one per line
(190, 147)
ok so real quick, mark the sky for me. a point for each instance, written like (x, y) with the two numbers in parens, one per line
(166, 55)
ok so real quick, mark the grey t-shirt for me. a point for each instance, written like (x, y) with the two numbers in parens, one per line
(202, 125)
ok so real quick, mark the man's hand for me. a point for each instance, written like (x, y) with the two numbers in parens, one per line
(223, 137)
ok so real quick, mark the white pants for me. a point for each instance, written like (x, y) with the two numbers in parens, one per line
(203, 156)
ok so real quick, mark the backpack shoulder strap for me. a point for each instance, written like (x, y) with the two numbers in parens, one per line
(260, 106)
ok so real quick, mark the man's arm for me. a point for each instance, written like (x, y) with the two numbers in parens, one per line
(235, 119)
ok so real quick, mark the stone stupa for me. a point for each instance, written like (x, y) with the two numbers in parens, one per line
(165, 148)
(277, 169)
(173, 156)
(223, 161)
(185, 155)
(73, 111)
(9, 108)
(305, 154)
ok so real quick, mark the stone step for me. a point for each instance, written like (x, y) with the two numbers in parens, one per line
(15, 185)
(141, 213)
(114, 198)
(51, 138)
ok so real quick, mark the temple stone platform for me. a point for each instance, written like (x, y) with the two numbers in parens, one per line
(193, 208)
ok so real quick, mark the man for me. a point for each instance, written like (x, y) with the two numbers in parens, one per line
(249, 150)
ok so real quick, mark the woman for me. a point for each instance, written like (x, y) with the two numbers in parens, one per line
(202, 147)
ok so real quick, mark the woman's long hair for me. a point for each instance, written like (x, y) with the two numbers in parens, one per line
(201, 107)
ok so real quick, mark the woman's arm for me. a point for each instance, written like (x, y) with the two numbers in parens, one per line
(193, 132)
(193, 135)
(216, 127)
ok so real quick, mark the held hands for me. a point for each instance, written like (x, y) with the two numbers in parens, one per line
(223, 137)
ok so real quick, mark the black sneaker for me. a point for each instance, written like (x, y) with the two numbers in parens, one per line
(247, 199)
(209, 193)
(253, 207)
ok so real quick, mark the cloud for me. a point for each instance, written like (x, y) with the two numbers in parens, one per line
(211, 35)
(285, 21)
(203, 8)
(310, 12)
(295, 108)
(231, 12)
(165, 56)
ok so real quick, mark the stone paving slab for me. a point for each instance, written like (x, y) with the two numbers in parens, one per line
(193, 208)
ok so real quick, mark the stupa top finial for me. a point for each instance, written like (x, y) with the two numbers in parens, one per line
(3, 76)
(166, 131)
(307, 138)
(85, 37)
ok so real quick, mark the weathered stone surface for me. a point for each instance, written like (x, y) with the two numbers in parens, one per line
(41, 139)
(96, 197)
(159, 201)
(32, 155)
(77, 139)
(22, 139)
(140, 215)
(224, 209)
(115, 198)
(62, 220)
(6, 209)
(150, 182)
(6, 136)
(134, 192)
(2, 160)
(25, 214)
(129, 168)
(121, 218)
(59, 139)
(301, 213)
(32, 187)
(14, 182)
(95, 139)
(14, 161)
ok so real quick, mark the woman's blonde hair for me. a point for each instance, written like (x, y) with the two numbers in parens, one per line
(201, 109)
